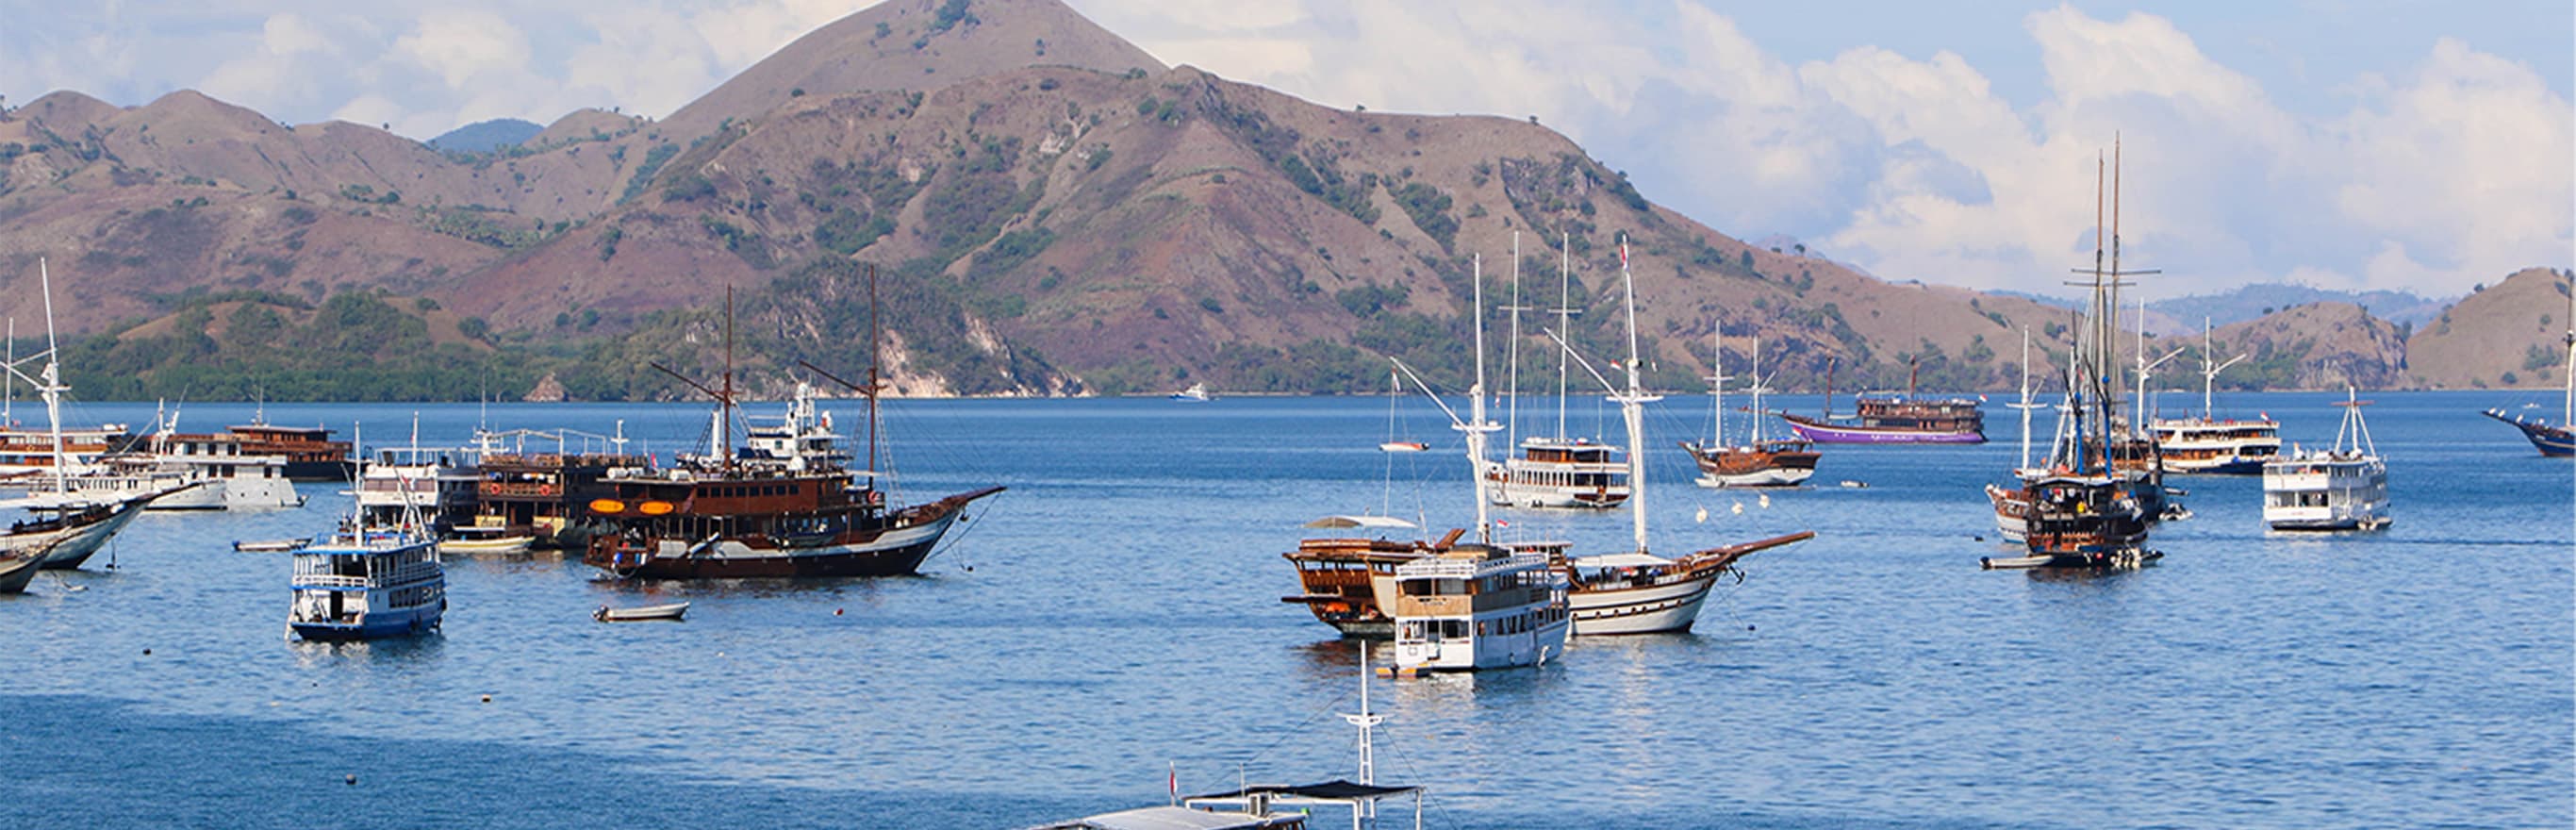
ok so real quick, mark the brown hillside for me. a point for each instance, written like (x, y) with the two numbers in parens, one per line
(2515, 328)
(2317, 346)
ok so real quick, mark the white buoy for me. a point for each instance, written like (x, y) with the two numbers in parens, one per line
(1739, 508)
(1703, 515)
(1766, 501)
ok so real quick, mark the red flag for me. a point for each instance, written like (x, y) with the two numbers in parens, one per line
(1623, 253)
(1175, 781)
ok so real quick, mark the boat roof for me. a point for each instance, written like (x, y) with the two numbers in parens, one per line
(1349, 521)
(1334, 790)
(1621, 560)
(1175, 818)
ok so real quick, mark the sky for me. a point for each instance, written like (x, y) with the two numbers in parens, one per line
(2344, 144)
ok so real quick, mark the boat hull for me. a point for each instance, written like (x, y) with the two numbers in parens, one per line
(76, 545)
(260, 493)
(201, 495)
(1825, 433)
(897, 550)
(2012, 512)
(409, 622)
(2554, 442)
(505, 545)
(17, 571)
(1648, 609)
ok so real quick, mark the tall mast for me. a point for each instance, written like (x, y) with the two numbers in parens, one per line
(2567, 419)
(2209, 370)
(51, 384)
(1476, 426)
(1717, 387)
(875, 386)
(1512, 385)
(1564, 322)
(1632, 408)
(10, 381)
(1754, 438)
(2025, 405)
(724, 405)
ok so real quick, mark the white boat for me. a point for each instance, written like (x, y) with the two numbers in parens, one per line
(2207, 444)
(432, 484)
(67, 526)
(1637, 591)
(236, 479)
(481, 539)
(1197, 393)
(1554, 471)
(1480, 605)
(2343, 488)
(666, 611)
(1477, 607)
(366, 583)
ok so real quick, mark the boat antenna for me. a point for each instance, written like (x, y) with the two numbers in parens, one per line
(1367, 722)
(1632, 407)
(724, 424)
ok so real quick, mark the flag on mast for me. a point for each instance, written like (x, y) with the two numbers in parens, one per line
(1173, 782)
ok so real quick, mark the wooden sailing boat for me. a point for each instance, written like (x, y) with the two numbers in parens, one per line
(2082, 509)
(1757, 462)
(782, 508)
(2559, 440)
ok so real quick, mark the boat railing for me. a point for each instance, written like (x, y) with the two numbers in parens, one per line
(1443, 567)
(515, 488)
(305, 580)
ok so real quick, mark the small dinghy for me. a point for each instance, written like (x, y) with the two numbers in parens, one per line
(270, 545)
(671, 611)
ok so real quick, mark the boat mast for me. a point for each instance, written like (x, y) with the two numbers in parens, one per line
(1477, 427)
(2209, 373)
(51, 384)
(1717, 387)
(1632, 408)
(2567, 418)
(875, 385)
(1564, 322)
(1512, 385)
(10, 381)
(724, 406)
(2025, 405)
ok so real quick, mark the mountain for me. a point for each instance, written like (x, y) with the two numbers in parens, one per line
(2323, 345)
(2250, 301)
(2510, 334)
(1045, 207)
(486, 136)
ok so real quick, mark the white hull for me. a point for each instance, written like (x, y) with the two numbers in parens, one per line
(1480, 652)
(503, 545)
(2013, 528)
(2326, 495)
(1646, 609)
(1782, 477)
(260, 493)
(201, 495)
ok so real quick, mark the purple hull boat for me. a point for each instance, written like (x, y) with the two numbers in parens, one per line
(1830, 433)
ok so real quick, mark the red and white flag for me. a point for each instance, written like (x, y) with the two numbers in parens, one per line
(1174, 782)
(1623, 254)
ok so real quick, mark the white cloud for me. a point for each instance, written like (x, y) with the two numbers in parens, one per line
(461, 45)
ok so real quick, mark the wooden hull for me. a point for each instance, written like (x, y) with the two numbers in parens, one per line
(1772, 464)
(895, 550)
(67, 548)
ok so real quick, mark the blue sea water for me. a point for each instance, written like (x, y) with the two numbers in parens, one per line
(1115, 616)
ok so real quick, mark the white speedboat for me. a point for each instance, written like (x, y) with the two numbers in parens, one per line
(2343, 488)
(484, 539)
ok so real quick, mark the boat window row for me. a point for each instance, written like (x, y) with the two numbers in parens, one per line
(415, 596)
(741, 491)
